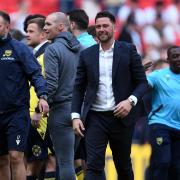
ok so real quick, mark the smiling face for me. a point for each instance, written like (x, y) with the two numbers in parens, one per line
(174, 59)
(104, 29)
(52, 27)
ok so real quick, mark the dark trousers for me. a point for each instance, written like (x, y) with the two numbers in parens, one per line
(165, 162)
(101, 128)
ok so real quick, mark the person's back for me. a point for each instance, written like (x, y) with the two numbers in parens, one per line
(79, 21)
(86, 40)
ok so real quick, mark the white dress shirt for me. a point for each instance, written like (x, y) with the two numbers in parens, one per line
(104, 100)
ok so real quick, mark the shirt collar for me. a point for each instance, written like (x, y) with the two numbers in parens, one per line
(39, 46)
(110, 49)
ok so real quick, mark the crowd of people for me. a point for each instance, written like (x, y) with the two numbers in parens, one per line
(151, 25)
(67, 90)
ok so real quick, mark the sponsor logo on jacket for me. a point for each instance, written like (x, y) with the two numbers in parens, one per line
(7, 56)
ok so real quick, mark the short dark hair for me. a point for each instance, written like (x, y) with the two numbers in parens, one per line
(80, 17)
(92, 30)
(5, 16)
(39, 21)
(30, 17)
(170, 48)
(17, 34)
(106, 14)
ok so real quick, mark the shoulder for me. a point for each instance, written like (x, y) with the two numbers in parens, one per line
(125, 45)
(157, 75)
(53, 47)
(20, 48)
(19, 45)
(160, 72)
(57, 45)
(90, 49)
(53, 52)
(86, 41)
(153, 74)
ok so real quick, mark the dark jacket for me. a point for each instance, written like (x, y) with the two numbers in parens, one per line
(41, 49)
(18, 66)
(128, 78)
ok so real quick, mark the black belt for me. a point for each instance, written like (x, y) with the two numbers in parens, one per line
(108, 113)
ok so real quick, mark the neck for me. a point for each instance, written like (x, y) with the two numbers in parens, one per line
(107, 45)
(77, 32)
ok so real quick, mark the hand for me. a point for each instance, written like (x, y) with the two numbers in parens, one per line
(147, 64)
(78, 127)
(36, 119)
(122, 109)
(43, 106)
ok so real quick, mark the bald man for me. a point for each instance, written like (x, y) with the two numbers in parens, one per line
(60, 60)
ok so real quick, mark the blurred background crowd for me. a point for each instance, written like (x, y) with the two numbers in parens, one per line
(151, 25)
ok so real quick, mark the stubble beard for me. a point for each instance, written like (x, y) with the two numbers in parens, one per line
(106, 39)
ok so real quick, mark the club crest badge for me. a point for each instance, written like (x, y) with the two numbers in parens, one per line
(159, 140)
(7, 56)
(7, 53)
(36, 150)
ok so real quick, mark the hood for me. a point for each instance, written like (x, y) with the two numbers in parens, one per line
(69, 41)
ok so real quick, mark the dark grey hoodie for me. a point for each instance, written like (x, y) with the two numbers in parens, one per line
(60, 62)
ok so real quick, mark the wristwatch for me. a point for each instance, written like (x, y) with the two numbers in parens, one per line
(132, 101)
(43, 97)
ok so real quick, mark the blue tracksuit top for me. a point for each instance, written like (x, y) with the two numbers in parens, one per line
(18, 66)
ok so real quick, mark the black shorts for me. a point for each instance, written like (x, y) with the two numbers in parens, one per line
(36, 146)
(14, 129)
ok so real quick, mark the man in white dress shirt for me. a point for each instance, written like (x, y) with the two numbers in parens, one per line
(110, 80)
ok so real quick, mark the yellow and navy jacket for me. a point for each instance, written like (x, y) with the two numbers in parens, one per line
(18, 66)
(33, 98)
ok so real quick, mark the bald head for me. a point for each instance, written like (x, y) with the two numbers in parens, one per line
(60, 18)
(56, 23)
